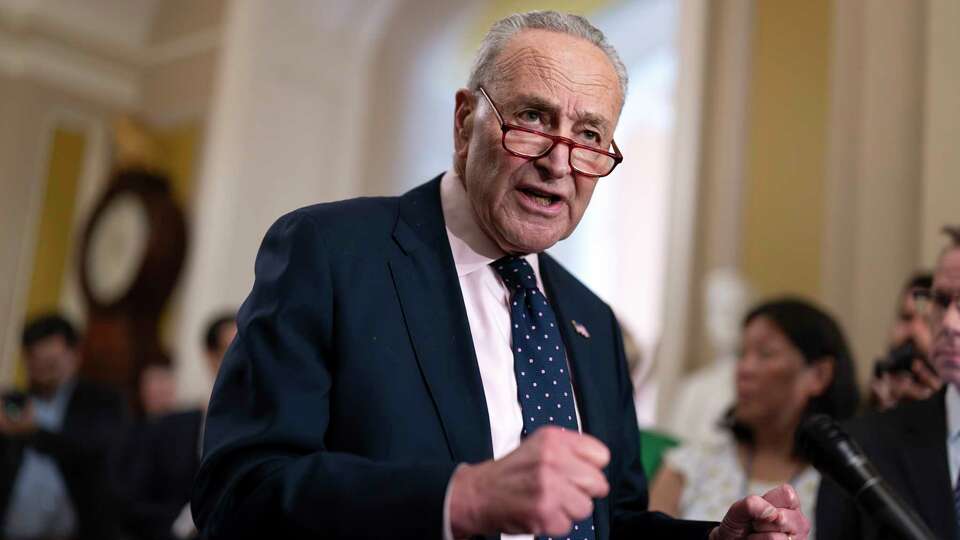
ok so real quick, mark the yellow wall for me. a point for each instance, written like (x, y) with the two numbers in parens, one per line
(179, 147)
(54, 232)
(785, 184)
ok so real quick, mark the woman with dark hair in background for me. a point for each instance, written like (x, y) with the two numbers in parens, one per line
(794, 362)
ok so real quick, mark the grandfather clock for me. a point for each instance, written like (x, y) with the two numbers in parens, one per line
(131, 254)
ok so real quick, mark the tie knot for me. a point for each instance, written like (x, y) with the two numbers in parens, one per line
(516, 272)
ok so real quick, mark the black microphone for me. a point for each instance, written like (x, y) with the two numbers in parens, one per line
(837, 456)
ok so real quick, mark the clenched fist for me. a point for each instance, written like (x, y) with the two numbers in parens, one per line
(541, 488)
(775, 516)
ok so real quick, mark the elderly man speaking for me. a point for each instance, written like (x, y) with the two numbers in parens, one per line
(417, 367)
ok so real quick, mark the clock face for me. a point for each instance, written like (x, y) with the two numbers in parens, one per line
(118, 243)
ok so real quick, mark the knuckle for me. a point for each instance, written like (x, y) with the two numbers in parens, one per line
(551, 434)
(585, 509)
(543, 477)
(559, 526)
(603, 487)
(754, 502)
(542, 509)
(547, 455)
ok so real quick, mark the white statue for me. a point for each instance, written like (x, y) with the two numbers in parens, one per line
(704, 396)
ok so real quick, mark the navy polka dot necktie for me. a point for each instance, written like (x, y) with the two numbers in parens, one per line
(543, 377)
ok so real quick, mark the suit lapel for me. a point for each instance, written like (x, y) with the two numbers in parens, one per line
(580, 349)
(925, 459)
(436, 319)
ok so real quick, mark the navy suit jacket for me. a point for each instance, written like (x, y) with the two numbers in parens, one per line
(908, 445)
(352, 390)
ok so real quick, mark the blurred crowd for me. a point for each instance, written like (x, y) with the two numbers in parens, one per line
(793, 362)
(76, 462)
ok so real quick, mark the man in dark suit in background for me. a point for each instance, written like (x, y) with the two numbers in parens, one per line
(915, 446)
(54, 441)
(397, 371)
(153, 470)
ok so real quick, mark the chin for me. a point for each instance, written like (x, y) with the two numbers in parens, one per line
(528, 245)
(949, 369)
(746, 416)
(530, 239)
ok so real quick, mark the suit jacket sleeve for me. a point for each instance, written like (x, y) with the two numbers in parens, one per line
(629, 496)
(266, 471)
(838, 517)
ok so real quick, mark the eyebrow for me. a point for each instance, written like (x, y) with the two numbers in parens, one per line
(540, 103)
(945, 290)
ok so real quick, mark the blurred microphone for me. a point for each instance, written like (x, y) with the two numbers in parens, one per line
(840, 458)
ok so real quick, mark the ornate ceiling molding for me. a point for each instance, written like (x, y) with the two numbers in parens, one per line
(95, 62)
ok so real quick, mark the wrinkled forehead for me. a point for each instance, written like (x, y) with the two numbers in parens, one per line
(566, 69)
(947, 275)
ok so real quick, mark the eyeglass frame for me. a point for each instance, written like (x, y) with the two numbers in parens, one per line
(933, 296)
(555, 139)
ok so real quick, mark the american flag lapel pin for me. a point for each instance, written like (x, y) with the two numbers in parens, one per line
(581, 329)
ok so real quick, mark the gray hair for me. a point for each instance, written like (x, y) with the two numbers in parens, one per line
(563, 23)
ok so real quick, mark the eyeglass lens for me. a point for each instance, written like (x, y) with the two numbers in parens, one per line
(534, 145)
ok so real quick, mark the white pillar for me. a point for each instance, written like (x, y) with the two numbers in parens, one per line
(286, 118)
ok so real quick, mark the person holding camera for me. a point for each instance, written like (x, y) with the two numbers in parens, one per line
(53, 442)
(904, 373)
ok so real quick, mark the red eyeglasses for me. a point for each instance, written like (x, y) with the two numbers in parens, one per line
(530, 143)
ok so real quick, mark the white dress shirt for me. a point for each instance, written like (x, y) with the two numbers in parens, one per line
(953, 432)
(488, 311)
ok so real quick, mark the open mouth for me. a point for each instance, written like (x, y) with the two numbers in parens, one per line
(541, 198)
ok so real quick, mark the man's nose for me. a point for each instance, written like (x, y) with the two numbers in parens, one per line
(951, 319)
(556, 162)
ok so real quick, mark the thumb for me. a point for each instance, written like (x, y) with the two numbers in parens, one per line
(783, 497)
(742, 516)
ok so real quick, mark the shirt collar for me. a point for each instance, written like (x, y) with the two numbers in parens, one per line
(471, 247)
(49, 412)
(953, 412)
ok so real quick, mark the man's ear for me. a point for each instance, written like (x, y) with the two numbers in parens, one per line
(463, 117)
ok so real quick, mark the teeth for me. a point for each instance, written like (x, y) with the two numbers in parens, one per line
(544, 201)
